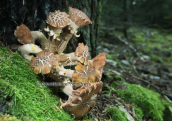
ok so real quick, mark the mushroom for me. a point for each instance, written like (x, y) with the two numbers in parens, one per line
(43, 62)
(78, 19)
(81, 54)
(82, 74)
(82, 100)
(57, 21)
(99, 61)
(27, 49)
(23, 34)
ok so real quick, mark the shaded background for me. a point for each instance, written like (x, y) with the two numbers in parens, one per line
(33, 14)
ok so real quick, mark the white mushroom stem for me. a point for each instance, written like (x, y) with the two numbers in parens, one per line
(56, 30)
(37, 35)
(68, 89)
(27, 49)
(73, 29)
(66, 73)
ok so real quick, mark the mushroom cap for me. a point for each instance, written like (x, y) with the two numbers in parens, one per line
(84, 74)
(43, 62)
(82, 99)
(78, 17)
(58, 19)
(99, 61)
(82, 53)
(23, 34)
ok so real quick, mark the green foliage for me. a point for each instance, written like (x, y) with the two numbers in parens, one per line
(111, 89)
(147, 100)
(29, 101)
(116, 114)
(112, 57)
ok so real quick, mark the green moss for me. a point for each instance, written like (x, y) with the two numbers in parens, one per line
(139, 38)
(116, 114)
(149, 101)
(29, 101)
(138, 112)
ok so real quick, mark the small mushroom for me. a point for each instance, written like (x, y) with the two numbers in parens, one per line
(85, 74)
(78, 19)
(82, 53)
(57, 21)
(82, 100)
(43, 62)
(23, 34)
(99, 62)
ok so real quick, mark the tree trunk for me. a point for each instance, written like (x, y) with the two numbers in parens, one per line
(33, 14)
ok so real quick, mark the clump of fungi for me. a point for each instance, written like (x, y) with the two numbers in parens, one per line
(82, 94)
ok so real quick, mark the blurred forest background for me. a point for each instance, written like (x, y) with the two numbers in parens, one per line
(137, 37)
(154, 13)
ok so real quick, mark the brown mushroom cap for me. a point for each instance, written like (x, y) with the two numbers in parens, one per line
(78, 17)
(43, 62)
(58, 19)
(82, 53)
(83, 99)
(84, 74)
(99, 61)
(23, 34)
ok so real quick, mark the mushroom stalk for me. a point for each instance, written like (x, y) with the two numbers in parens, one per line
(68, 89)
(64, 39)
(27, 49)
(37, 35)
(66, 73)
(66, 57)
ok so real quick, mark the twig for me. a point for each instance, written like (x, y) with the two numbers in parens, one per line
(168, 99)
(48, 118)
(58, 108)
(45, 97)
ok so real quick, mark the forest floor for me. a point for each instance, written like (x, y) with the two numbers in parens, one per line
(137, 81)
(141, 63)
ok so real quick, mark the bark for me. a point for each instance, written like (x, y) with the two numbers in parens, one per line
(33, 14)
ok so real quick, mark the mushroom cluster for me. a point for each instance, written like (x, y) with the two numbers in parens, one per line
(81, 85)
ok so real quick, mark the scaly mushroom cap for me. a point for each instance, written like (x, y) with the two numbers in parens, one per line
(82, 53)
(83, 99)
(99, 61)
(78, 17)
(84, 74)
(23, 34)
(58, 19)
(43, 62)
